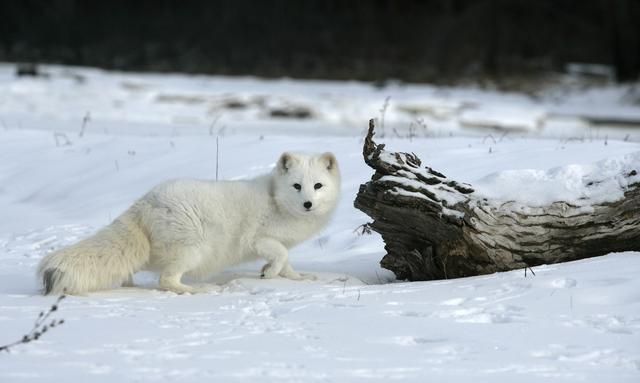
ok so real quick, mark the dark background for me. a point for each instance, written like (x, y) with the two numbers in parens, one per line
(411, 40)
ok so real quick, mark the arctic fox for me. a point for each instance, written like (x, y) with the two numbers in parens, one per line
(199, 227)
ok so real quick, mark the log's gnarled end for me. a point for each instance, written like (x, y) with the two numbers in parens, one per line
(371, 150)
(401, 174)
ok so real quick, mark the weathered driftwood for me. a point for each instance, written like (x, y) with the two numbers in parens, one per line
(436, 228)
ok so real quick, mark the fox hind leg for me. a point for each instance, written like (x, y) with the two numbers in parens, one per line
(174, 262)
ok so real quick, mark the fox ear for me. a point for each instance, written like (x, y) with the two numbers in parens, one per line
(329, 160)
(284, 163)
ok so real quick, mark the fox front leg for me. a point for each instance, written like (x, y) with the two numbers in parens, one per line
(276, 255)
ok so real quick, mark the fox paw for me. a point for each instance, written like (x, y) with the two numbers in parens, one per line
(268, 271)
(271, 270)
(187, 289)
(308, 277)
(296, 276)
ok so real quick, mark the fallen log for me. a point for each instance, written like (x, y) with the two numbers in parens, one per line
(437, 228)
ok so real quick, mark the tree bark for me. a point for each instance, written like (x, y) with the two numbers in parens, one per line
(437, 228)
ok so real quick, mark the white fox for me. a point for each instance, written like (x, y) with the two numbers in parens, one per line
(199, 227)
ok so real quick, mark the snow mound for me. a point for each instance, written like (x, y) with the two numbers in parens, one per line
(579, 185)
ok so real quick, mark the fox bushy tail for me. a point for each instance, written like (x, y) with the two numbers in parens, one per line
(102, 261)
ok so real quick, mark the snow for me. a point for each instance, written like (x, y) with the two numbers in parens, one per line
(578, 321)
(579, 185)
(508, 118)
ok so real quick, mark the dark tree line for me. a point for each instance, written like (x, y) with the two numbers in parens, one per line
(413, 40)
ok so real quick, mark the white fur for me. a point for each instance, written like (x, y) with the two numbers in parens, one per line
(201, 227)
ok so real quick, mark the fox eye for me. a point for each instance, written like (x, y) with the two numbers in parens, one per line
(317, 186)
(298, 187)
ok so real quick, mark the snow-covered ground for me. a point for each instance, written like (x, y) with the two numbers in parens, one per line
(62, 178)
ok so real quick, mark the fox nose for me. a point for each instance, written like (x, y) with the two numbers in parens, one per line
(307, 205)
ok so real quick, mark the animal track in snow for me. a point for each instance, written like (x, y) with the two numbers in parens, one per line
(596, 357)
(412, 314)
(607, 323)
(410, 340)
(563, 283)
(495, 314)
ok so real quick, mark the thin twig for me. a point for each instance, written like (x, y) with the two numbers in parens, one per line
(525, 271)
(40, 326)
(57, 136)
(213, 124)
(85, 120)
(383, 111)
(489, 136)
(377, 276)
(217, 155)
(363, 229)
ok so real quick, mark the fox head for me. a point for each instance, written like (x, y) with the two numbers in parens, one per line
(307, 185)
